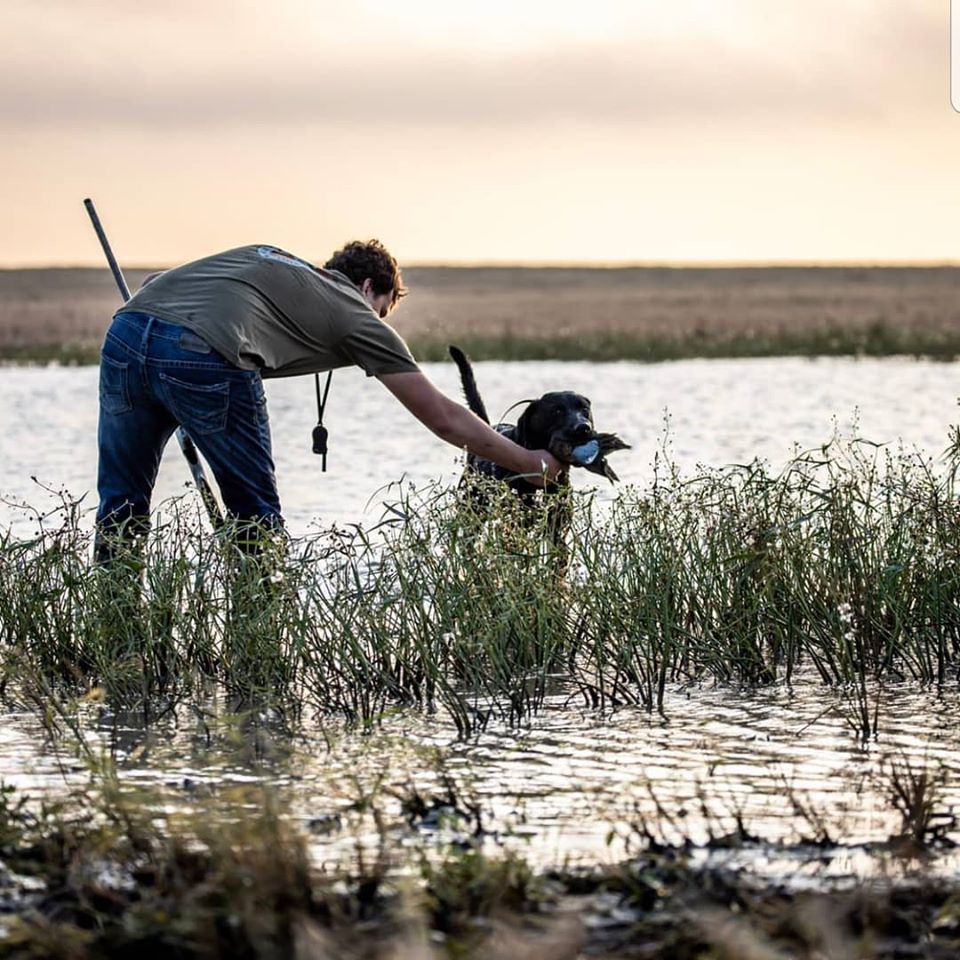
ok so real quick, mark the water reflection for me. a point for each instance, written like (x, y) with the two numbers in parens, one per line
(780, 761)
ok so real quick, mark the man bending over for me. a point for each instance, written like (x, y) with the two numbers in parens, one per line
(192, 347)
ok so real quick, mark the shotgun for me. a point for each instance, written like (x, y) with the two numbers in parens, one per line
(186, 444)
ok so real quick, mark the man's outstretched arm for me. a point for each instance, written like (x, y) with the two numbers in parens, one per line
(453, 422)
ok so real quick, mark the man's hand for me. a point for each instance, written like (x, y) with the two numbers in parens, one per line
(546, 468)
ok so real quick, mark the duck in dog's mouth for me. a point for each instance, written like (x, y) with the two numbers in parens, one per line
(589, 452)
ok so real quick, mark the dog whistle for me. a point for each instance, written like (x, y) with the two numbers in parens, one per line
(320, 436)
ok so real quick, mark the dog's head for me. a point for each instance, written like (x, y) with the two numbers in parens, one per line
(557, 422)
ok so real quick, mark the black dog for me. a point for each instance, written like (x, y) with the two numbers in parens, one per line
(561, 422)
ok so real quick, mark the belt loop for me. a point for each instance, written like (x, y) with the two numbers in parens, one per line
(146, 336)
(143, 353)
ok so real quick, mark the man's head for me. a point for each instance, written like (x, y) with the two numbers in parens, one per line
(375, 272)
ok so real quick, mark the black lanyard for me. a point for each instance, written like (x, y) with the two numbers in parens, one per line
(320, 434)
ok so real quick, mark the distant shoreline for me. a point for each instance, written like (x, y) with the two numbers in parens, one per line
(646, 313)
(636, 349)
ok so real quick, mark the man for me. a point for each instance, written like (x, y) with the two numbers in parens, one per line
(192, 346)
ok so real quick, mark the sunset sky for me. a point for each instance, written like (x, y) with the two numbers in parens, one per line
(492, 131)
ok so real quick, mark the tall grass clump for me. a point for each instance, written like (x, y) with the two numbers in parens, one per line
(845, 561)
(843, 566)
(436, 608)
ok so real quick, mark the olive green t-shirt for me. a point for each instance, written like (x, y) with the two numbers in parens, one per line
(264, 309)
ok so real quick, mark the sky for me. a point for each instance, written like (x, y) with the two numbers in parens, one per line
(481, 131)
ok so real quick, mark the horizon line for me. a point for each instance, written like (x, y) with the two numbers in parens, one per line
(534, 264)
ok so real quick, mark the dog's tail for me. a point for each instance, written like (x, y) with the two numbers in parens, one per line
(470, 391)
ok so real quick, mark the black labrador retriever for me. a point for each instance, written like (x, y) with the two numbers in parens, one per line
(561, 422)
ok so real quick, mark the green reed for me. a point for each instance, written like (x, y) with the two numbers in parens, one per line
(844, 565)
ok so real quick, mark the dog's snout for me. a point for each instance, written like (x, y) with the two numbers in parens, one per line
(583, 430)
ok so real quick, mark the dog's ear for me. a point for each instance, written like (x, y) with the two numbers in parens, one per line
(529, 430)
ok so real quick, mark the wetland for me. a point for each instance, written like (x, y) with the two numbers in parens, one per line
(730, 732)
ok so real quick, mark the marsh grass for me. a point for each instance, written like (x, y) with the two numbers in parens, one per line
(575, 313)
(111, 877)
(844, 565)
(874, 340)
(602, 346)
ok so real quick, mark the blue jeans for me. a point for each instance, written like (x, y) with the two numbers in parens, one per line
(154, 376)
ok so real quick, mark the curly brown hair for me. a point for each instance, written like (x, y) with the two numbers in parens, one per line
(359, 261)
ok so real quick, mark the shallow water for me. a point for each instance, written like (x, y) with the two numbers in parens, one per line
(720, 411)
(571, 785)
(570, 776)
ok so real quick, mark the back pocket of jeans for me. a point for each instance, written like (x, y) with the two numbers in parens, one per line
(114, 386)
(200, 407)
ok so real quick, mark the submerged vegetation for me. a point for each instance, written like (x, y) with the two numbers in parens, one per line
(844, 566)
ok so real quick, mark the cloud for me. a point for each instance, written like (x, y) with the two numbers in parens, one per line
(228, 64)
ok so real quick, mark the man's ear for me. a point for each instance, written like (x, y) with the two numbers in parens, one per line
(366, 287)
